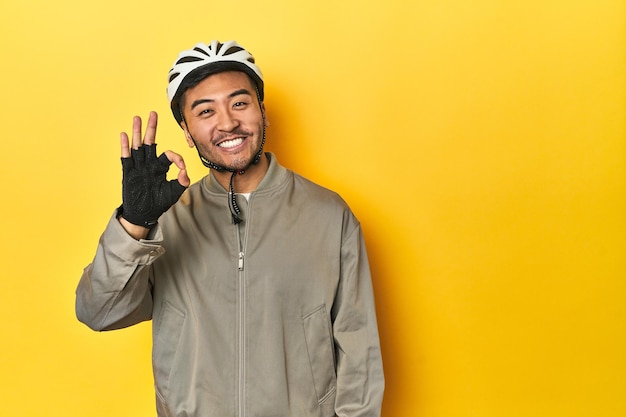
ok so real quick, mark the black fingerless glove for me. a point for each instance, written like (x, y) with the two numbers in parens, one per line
(146, 192)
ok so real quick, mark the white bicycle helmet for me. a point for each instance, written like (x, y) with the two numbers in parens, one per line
(212, 58)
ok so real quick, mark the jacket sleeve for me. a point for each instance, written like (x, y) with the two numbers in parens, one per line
(360, 379)
(115, 290)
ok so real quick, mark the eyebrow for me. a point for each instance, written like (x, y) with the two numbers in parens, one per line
(231, 95)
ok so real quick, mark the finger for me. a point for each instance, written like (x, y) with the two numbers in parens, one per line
(124, 145)
(149, 152)
(183, 178)
(178, 160)
(136, 132)
(150, 137)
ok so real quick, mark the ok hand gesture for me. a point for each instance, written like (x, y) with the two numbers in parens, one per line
(146, 192)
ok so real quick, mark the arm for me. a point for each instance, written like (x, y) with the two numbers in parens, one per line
(115, 289)
(360, 379)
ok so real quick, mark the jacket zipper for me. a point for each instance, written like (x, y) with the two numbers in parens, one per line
(242, 327)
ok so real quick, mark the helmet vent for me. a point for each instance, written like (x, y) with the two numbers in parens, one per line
(188, 59)
(202, 51)
(232, 50)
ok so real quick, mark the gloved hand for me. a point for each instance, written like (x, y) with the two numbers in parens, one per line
(146, 192)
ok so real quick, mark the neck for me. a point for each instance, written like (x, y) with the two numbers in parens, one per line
(246, 182)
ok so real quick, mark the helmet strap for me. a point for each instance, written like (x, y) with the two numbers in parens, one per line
(235, 211)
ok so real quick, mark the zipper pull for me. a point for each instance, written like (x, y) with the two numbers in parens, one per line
(241, 261)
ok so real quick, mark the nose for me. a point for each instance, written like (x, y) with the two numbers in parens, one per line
(227, 121)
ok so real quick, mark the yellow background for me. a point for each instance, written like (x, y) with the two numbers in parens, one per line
(482, 144)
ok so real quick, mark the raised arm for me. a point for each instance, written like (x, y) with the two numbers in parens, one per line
(115, 289)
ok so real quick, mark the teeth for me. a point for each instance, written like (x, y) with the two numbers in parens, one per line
(231, 143)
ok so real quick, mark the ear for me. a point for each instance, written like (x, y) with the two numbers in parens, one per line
(188, 137)
(266, 122)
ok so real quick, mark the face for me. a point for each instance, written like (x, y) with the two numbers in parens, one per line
(224, 119)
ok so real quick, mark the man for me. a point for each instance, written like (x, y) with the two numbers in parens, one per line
(256, 280)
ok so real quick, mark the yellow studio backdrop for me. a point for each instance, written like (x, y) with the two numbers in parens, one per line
(481, 143)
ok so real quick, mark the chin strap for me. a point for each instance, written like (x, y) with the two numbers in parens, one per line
(233, 206)
(235, 211)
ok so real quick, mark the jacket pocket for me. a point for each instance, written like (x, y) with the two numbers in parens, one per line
(166, 341)
(320, 347)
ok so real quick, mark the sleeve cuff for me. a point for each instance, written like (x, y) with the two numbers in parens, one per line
(143, 251)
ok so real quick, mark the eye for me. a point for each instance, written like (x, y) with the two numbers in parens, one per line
(240, 104)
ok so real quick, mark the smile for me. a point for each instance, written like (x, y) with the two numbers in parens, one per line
(231, 143)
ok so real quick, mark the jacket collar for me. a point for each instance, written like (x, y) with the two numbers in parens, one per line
(275, 175)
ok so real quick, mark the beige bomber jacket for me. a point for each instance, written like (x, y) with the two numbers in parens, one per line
(273, 317)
